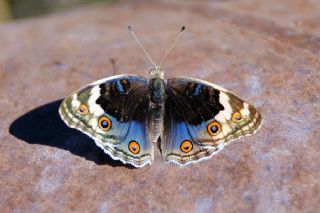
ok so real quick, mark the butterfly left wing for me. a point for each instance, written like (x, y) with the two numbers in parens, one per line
(201, 118)
(113, 112)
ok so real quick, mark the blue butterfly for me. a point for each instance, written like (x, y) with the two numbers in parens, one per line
(126, 115)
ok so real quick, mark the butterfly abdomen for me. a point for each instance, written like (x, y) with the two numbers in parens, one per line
(156, 108)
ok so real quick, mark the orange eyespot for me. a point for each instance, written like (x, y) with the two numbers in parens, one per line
(214, 128)
(82, 109)
(124, 81)
(186, 146)
(237, 117)
(105, 123)
(134, 147)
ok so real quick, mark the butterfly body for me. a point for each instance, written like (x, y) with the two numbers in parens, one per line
(156, 107)
(126, 114)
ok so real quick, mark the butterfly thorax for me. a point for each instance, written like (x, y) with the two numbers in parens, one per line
(156, 106)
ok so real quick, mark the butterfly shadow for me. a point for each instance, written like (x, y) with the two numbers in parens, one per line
(43, 125)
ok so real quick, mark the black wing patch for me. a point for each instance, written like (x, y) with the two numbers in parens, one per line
(119, 98)
(200, 102)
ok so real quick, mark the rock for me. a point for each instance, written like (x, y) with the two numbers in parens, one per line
(266, 51)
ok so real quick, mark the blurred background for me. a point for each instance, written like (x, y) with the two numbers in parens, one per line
(17, 9)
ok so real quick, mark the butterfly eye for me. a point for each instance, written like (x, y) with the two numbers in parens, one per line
(186, 146)
(214, 128)
(237, 117)
(134, 147)
(82, 109)
(105, 123)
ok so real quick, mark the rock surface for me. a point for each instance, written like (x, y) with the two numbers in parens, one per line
(266, 51)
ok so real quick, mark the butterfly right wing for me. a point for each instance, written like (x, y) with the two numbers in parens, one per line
(201, 118)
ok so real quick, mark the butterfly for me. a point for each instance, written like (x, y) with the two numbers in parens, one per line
(126, 115)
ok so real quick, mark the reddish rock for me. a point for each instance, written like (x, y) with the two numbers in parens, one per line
(266, 51)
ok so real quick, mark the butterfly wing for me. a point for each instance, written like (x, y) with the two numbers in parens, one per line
(201, 118)
(113, 112)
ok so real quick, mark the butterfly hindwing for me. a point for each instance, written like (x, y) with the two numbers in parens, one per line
(178, 145)
(113, 111)
(201, 118)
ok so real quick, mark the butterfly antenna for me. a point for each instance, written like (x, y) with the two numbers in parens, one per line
(144, 50)
(172, 45)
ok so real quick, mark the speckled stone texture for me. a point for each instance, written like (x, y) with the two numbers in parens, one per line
(266, 51)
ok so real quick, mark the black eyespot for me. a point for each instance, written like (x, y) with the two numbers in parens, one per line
(214, 129)
(104, 124)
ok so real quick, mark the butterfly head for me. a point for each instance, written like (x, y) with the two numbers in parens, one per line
(156, 72)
